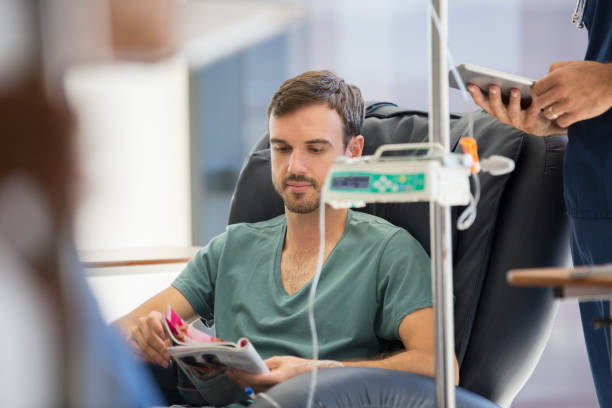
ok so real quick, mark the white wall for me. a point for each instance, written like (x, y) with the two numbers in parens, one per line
(119, 290)
(134, 152)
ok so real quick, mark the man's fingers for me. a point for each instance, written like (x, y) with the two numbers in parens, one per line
(514, 108)
(552, 112)
(552, 79)
(563, 107)
(151, 346)
(146, 351)
(553, 96)
(558, 109)
(551, 88)
(497, 106)
(534, 108)
(237, 378)
(155, 324)
(135, 347)
(159, 346)
(258, 382)
(138, 337)
(155, 336)
(542, 86)
(568, 119)
(552, 127)
(154, 357)
(273, 362)
(557, 65)
(479, 98)
(181, 332)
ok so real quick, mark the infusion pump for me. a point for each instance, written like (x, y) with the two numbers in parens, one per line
(431, 175)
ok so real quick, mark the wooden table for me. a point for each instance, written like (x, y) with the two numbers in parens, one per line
(136, 256)
(122, 279)
(585, 283)
(582, 283)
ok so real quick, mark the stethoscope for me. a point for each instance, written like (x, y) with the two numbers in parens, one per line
(578, 18)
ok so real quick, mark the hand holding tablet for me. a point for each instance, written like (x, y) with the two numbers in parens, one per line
(508, 98)
(483, 78)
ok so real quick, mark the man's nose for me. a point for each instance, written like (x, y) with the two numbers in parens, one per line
(297, 163)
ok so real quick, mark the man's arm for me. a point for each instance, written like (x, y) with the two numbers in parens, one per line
(572, 91)
(416, 331)
(143, 326)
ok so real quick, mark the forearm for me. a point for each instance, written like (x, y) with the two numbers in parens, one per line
(415, 361)
(125, 324)
(284, 367)
(128, 322)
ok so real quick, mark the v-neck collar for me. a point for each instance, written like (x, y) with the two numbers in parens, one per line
(279, 254)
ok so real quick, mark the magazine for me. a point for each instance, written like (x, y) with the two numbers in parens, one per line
(204, 358)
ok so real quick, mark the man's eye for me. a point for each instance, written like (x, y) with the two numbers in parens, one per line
(281, 149)
(316, 149)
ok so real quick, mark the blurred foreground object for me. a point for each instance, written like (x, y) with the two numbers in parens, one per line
(55, 324)
(143, 29)
(75, 32)
(59, 352)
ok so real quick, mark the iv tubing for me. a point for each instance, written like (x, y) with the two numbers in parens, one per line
(311, 299)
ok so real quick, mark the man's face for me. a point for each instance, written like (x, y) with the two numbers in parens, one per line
(304, 144)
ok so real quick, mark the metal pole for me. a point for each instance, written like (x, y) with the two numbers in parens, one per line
(440, 219)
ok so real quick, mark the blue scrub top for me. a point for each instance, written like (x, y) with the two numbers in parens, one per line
(588, 158)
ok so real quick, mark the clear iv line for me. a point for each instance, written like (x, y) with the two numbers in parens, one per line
(456, 75)
(311, 299)
(467, 217)
(269, 399)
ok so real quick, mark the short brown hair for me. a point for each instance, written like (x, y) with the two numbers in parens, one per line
(313, 87)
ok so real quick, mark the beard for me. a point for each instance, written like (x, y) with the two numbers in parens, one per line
(300, 203)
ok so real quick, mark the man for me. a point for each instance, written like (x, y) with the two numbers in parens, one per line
(576, 96)
(253, 280)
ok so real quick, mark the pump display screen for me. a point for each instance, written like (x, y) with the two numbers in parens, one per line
(351, 182)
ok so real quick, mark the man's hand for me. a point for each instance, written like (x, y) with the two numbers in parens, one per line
(574, 91)
(149, 339)
(143, 327)
(281, 368)
(529, 120)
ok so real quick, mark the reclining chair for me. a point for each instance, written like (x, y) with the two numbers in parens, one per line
(500, 331)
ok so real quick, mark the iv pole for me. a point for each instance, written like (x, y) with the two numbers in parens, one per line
(440, 218)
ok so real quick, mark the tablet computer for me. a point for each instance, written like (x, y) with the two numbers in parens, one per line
(484, 77)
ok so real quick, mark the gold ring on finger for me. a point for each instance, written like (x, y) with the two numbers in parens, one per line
(553, 114)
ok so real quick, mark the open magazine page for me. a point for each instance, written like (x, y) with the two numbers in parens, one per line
(182, 333)
(204, 359)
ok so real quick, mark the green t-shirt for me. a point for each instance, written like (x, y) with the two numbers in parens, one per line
(376, 275)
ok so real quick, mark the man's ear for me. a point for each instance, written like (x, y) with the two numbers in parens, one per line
(355, 147)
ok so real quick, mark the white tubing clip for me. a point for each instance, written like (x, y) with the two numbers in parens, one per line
(497, 165)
